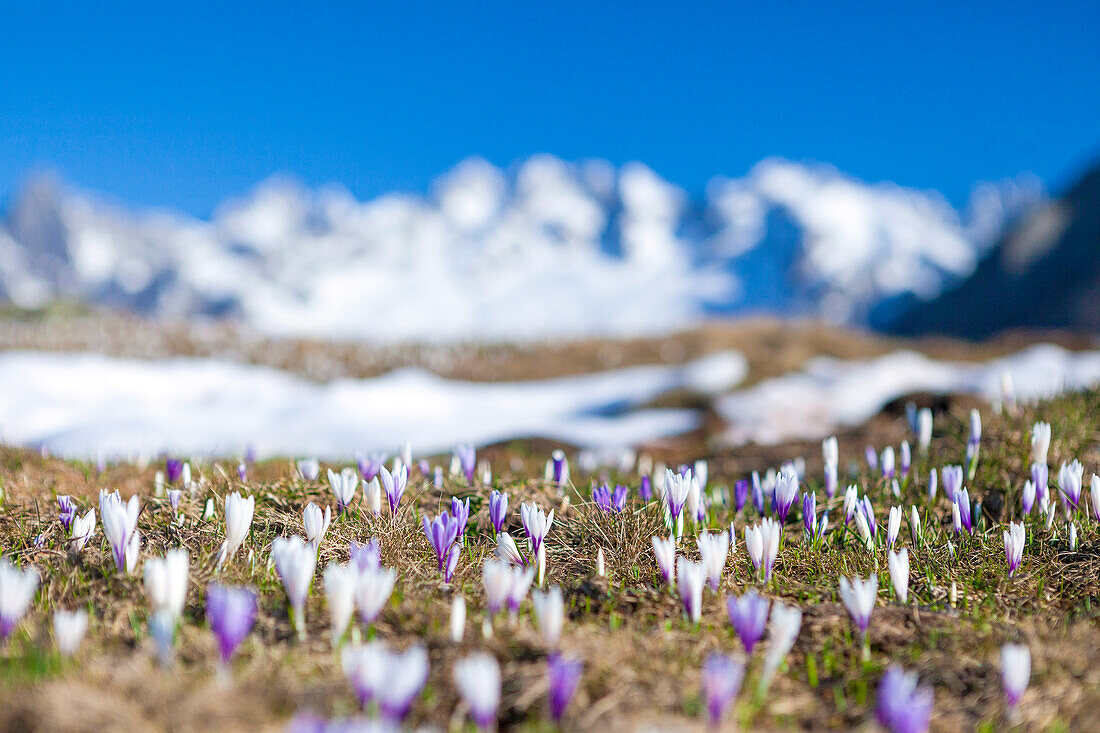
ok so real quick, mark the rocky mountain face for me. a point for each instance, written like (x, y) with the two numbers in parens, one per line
(1043, 273)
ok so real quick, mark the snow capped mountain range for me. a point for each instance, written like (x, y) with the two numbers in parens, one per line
(546, 249)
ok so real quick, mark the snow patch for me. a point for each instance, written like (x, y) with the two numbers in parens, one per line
(830, 393)
(82, 405)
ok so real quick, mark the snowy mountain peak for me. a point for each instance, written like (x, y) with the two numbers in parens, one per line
(547, 248)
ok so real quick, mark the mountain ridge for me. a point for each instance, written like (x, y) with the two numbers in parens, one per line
(548, 248)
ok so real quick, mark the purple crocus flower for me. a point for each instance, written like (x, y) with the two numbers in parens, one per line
(809, 513)
(565, 674)
(394, 484)
(67, 511)
(1039, 476)
(424, 467)
(868, 512)
(366, 556)
(460, 511)
(645, 490)
(618, 498)
(467, 459)
(740, 494)
(906, 458)
(173, 470)
(952, 479)
(451, 563)
(559, 467)
(1069, 484)
(757, 494)
(231, 613)
(903, 706)
(601, 495)
(722, 677)
(441, 533)
(1027, 497)
(749, 616)
(830, 480)
(872, 457)
(786, 492)
(242, 471)
(369, 466)
(498, 510)
(961, 509)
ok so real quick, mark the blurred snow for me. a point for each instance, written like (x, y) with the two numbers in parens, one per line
(829, 393)
(546, 249)
(201, 407)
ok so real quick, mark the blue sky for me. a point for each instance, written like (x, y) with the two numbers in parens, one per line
(181, 107)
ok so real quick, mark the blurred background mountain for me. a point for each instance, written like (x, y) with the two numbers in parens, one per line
(549, 248)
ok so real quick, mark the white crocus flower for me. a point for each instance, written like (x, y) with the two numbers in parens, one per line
(133, 550)
(316, 523)
(17, 587)
(924, 430)
(1015, 672)
(295, 561)
(343, 485)
(166, 583)
(508, 551)
(238, 521)
(68, 630)
(458, 619)
(341, 582)
(549, 614)
(373, 592)
(372, 492)
(713, 550)
(1040, 442)
(785, 623)
(865, 530)
(690, 577)
(893, 526)
(309, 469)
(81, 531)
(477, 678)
(664, 549)
(899, 573)
(119, 524)
(858, 597)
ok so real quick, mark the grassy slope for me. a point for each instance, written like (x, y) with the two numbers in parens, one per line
(641, 658)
